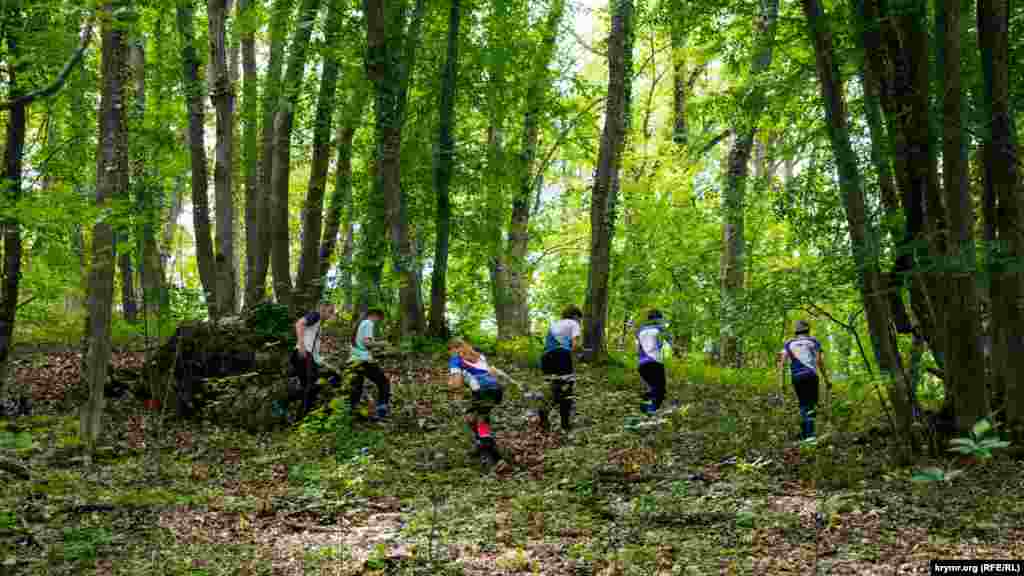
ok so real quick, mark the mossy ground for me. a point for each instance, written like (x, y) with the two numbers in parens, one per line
(719, 487)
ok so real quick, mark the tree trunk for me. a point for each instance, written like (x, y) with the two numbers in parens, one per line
(247, 21)
(964, 359)
(223, 98)
(517, 275)
(1003, 207)
(309, 284)
(677, 32)
(444, 160)
(389, 68)
(14, 152)
(258, 249)
(606, 181)
(734, 197)
(875, 305)
(280, 246)
(111, 168)
(496, 174)
(341, 198)
(200, 199)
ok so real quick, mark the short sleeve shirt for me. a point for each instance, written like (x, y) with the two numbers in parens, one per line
(561, 334)
(649, 344)
(476, 375)
(803, 354)
(363, 333)
(311, 335)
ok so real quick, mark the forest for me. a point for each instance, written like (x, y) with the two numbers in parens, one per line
(299, 287)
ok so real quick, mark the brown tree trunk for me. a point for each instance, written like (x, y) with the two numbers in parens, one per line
(339, 208)
(280, 246)
(111, 169)
(606, 182)
(516, 268)
(734, 198)
(200, 198)
(254, 290)
(677, 32)
(389, 67)
(223, 98)
(259, 238)
(309, 285)
(875, 304)
(1003, 208)
(964, 359)
(444, 161)
(496, 173)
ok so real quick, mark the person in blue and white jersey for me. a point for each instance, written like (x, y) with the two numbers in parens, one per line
(468, 367)
(806, 360)
(562, 340)
(651, 347)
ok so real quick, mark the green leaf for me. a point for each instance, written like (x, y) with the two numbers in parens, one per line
(981, 427)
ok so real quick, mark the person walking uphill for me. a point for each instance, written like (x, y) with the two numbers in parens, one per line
(650, 348)
(562, 340)
(467, 366)
(804, 354)
(306, 360)
(365, 367)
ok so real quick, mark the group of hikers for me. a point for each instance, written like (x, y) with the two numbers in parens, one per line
(468, 367)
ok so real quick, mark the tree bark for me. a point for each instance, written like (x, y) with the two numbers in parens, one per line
(14, 153)
(734, 197)
(247, 21)
(309, 284)
(850, 184)
(444, 160)
(280, 246)
(496, 174)
(389, 68)
(677, 32)
(111, 168)
(517, 274)
(200, 198)
(606, 181)
(223, 98)
(258, 249)
(339, 208)
(1003, 208)
(964, 359)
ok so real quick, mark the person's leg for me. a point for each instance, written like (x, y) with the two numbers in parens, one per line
(355, 393)
(649, 376)
(311, 387)
(659, 385)
(377, 376)
(806, 387)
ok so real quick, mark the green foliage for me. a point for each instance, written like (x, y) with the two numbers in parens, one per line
(272, 321)
(982, 441)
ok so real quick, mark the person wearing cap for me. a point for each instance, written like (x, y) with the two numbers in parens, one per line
(806, 360)
(651, 345)
(562, 340)
(365, 367)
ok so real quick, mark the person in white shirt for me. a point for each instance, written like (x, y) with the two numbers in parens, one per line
(306, 360)
(562, 340)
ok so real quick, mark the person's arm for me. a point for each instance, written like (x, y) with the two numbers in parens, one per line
(300, 329)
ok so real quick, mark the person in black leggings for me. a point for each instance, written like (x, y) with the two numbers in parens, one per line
(306, 360)
(562, 340)
(365, 367)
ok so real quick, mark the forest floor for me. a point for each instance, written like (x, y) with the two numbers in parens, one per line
(718, 487)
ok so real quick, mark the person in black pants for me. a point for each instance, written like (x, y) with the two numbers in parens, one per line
(807, 361)
(650, 345)
(562, 340)
(306, 359)
(365, 367)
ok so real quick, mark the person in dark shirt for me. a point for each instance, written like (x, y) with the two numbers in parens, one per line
(803, 352)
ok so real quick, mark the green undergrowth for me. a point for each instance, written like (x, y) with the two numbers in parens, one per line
(717, 485)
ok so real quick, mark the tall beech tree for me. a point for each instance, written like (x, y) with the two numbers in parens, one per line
(194, 89)
(222, 95)
(284, 121)
(604, 194)
(733, 266)
(444, 161)
(111, 180)
(390, 57)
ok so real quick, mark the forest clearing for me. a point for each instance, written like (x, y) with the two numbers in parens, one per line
(552, 287)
